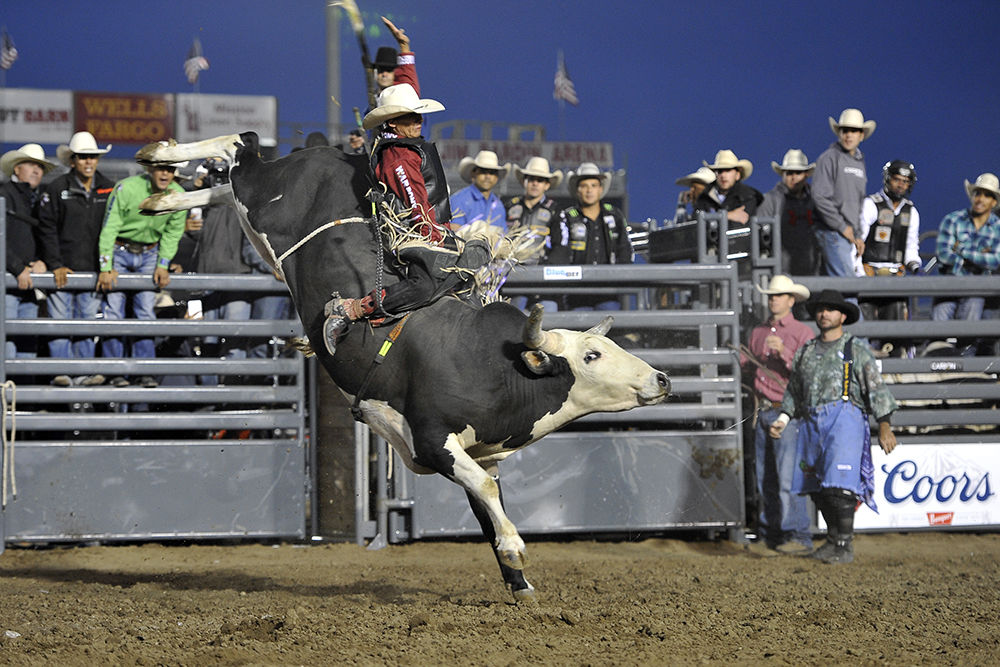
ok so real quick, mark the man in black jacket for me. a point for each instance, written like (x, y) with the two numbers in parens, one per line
(25, 168)
(729, 193)
(71, 214)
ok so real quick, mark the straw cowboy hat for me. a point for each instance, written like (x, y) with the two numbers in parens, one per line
(782, 284)
(834, 299)
(81, 143)
(588, 170)
(538, 166)
(483, 160)
(988, 182)
(26, 153)
(794, 160)
(852, 118)
(726, 159)
(704, 175)
(396, 101)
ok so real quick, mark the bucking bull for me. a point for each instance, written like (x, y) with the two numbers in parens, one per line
(464, 385)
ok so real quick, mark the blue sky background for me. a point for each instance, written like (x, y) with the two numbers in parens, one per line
(666, 83)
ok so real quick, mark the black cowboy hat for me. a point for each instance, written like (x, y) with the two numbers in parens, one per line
(834, 299)
(385, 58)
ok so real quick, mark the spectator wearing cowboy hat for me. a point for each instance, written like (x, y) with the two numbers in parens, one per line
(968, 243)
(131, 242)
(833, 387)
(838, 187)
(71, 215)
(477, 201)
(591, 232)
(791, 202)
(695, 182)
(535, 210)
(729, 192)
(783, 522)
(25, 243)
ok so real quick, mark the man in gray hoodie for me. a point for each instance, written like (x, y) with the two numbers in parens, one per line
(839, 185)
(791, 202)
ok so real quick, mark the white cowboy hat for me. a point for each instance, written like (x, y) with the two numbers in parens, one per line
(538, 166)
(988, 182)
(794, 160)
(483, 160)
(852, 118)
(396, 101)
(26, 153)
(782, 284)
(588, 170)
(81, 143)
(726, 159)
(704, 175)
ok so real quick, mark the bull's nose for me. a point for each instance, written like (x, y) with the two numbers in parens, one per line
(663, 381)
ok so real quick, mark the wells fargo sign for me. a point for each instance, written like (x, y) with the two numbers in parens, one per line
(124, 118)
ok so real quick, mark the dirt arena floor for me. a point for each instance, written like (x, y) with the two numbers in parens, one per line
(928, 598)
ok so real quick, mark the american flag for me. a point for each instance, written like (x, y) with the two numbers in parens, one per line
(195, 62)
(8, 52)
(564, 85)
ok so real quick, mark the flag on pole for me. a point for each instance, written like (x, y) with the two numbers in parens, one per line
(195, 62)
(8, 52)
(564, 89)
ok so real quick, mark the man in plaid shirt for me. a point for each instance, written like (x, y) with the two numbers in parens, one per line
(968, 243)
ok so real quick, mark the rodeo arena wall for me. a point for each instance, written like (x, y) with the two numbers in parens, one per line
(265, 448)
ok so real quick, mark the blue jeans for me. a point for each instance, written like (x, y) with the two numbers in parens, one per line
(73, 306)
(142, 303)
(270, 307)
(21, 305)
(836, 251)
(784, 516)
(227, 306)
(969, 308)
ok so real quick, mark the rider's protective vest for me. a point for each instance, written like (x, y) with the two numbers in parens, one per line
(886, 240)
(431, 169)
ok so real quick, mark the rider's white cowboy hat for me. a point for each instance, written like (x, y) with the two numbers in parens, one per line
(988, 182)
(588, 170)
(396, 101)
(483, 160)
(781, 284)
(794, 160)
(852, 118)
(26, 153)
(726, 159)
(539, 167)
(704, 175)
(81, 143)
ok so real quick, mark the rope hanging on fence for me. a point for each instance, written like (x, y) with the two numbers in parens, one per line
(8, 443)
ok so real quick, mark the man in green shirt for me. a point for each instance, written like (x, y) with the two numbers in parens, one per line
(134, 243)
(835, 384)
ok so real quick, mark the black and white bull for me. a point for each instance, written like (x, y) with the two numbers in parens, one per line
(464, 386)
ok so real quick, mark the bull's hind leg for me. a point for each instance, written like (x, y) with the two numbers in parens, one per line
(168, 152)
(518, 585)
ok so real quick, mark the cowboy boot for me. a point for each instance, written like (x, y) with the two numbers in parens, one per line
(822, 502)
(339, 314)
(843, 552)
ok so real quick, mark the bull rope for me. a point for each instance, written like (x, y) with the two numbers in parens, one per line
(8, 443)
(313, 233)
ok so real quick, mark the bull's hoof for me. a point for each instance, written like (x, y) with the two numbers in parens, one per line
(525, 595)
(155, 202)
(149, 154)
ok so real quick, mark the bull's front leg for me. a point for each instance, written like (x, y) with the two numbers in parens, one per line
(169, 152)
(519, 587)
(484, 492)
(170, 201)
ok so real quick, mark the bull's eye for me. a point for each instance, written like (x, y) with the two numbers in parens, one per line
(593, 355)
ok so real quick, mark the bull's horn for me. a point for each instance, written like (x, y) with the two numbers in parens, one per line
(603, 327)
(536, 338)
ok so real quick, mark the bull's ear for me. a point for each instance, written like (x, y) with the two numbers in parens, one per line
(537, 362)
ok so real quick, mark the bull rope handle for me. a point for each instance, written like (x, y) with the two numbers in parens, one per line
(8, 443)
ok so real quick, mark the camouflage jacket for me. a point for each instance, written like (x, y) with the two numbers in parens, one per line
(818, 378)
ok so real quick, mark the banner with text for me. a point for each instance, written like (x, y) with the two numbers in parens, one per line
(35, 116)
(125, 118)
(560, 154)
(927, 486)
(206, 116)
